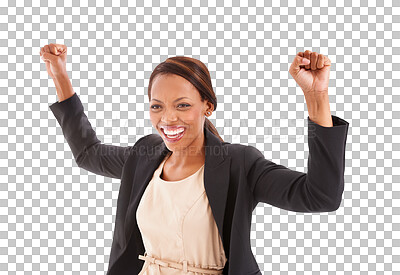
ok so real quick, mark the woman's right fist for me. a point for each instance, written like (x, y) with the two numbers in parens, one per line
(55, 57)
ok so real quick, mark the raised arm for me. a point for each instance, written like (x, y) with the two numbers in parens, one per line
(89, 153)
(318, 190)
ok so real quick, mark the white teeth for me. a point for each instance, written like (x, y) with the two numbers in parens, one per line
(171, 133)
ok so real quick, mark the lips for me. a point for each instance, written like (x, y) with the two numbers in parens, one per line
(180, 135)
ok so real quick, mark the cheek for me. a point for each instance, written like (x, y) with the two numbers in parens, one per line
(193, 117)
(154, 119)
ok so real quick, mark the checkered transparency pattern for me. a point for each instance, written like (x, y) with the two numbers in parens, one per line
(56, 218)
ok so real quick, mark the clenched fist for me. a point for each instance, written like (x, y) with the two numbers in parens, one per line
(311, 71)
(55, 57)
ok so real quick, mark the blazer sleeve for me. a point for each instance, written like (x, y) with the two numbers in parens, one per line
(318, 190)
(88, 151)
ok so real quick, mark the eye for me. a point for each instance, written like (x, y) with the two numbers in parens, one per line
(186, 105)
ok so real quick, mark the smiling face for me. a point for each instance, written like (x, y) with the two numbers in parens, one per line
(176, 102)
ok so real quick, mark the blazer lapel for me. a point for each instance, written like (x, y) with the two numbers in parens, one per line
(216, 177)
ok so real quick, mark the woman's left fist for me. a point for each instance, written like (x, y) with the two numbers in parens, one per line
(311, 71)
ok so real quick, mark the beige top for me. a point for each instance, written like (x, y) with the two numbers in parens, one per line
(178, 227)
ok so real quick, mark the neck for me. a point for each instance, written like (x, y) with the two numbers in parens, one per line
(193, 153)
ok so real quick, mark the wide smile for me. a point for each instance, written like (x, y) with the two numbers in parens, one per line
(175, 138)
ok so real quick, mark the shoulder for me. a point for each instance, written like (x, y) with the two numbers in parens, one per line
(244, 154)
(234, 150)
(151, 139)
(239, 148)
(146, 142)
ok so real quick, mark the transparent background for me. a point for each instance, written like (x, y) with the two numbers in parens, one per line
(56, 218)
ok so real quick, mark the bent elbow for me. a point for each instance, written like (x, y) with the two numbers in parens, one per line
(336, 206)
(86, 153)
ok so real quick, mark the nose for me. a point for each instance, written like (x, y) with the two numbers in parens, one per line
(169, 116)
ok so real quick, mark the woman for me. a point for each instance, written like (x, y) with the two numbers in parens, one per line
(186, 196)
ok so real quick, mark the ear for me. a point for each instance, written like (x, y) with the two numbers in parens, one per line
(209, 107)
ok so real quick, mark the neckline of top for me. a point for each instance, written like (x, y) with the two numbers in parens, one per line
(176, 181)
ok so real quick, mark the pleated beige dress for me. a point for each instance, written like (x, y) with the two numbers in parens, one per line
(178, 228)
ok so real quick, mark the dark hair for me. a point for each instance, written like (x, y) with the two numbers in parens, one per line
(195, 72)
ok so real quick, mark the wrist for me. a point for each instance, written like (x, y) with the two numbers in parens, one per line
(319, 109)
(63, 86)
(60, 75)
(317, 103)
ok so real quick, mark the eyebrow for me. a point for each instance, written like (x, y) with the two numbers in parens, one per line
(174, 100)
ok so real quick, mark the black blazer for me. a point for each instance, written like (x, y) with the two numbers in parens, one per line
(236, 178)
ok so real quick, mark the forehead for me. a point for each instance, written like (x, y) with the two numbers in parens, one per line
(170, 87)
